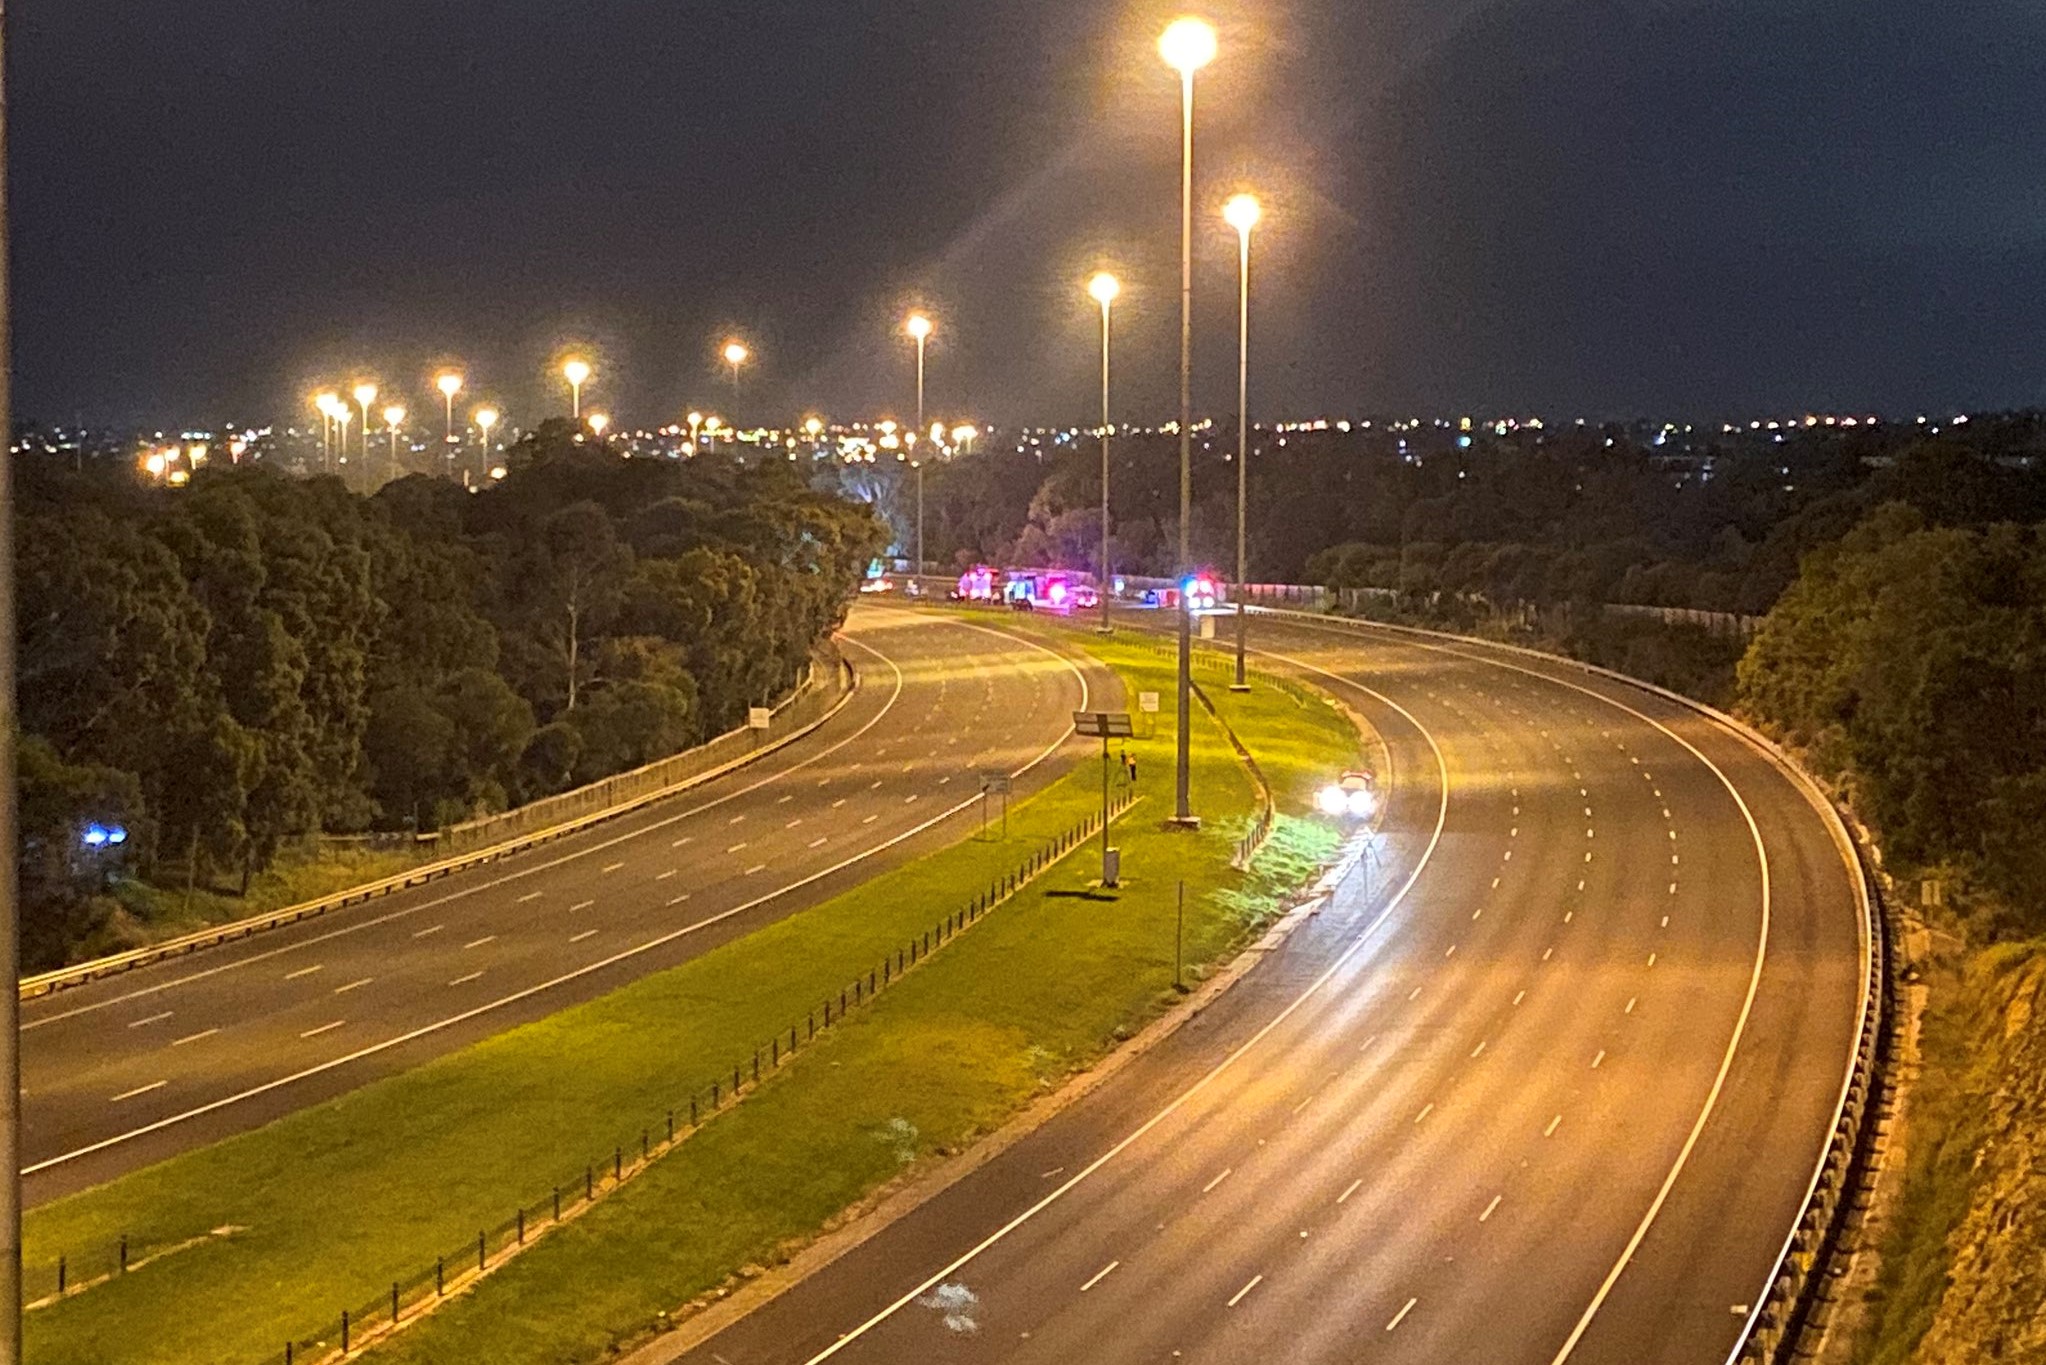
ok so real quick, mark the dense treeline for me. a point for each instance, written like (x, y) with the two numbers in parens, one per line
(225, 668)
(1910, 659)
(1571, 514)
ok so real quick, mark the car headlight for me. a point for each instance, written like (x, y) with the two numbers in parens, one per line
(1360, 804)
(1333, 801)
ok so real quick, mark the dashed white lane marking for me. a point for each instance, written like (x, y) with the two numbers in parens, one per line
(1450, 951)
(1099, 1276)
(677, 900)
(152, 1019)
(793, 823)
(1414, 994)
(819, 841)
(578, 938)
(1651, 959)
(1491, 1208)
(839, 802)
(353, 985)
(875, 783)
(465, 980)
(529, 896)
(1227, 1171)
(1401, 1316)
(735, 819)
(303, 971)
(1255, 1281)
(580, 905)
(1495, 883)
(1519, 996)
(685, 839)
(1598, 1059)
(1632, 1000)
(663, 876)
(1425, 1112)
(786, 799)
(1478, 1051)
(1554, 1124)
(422, 933)
(757, 867)
(479, 942)
(909, 798)
(609, 868)
(194, 1037)
(736, 847)
(1347, 1193)
(324, 1028)
(870, 819)
(143, 1089)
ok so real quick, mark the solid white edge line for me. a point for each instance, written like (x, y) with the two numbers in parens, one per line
(214, 1106)
(1334, 968)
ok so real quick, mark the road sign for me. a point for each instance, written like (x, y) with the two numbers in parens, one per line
(1147, 702)
(1103, 724)
(758, 717)
(995, 784)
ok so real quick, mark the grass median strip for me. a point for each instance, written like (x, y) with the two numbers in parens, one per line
(339, 1199)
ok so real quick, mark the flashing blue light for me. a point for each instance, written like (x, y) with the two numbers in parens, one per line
(103, 836)
(1463, 442)
(95, 836)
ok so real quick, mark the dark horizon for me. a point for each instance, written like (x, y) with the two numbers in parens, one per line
(1663, 208)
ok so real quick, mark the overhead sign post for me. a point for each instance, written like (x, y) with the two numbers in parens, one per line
(1105, 725)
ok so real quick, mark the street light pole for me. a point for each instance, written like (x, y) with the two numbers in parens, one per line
(10, 909)
(1104, 287)
(1242, 213)
(1187, 46)
(919, 328)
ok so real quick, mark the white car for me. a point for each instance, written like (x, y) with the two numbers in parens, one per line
(1353, 796)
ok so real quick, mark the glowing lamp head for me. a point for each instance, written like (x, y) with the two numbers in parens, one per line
(1187, 45)
(1105, 288)
(326, 403)
(576, 372)
(814, 428)
(598, 421)
(393, 415)
(736, 353)
(365, 394)
(919, 327)
(449, 384)
(1243, 212)
(156, 464)
(486, 418)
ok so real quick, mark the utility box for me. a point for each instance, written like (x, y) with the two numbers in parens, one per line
(1111, 867)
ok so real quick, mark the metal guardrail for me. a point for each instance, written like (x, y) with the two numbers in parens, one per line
(628, 792)
(1776, 1323)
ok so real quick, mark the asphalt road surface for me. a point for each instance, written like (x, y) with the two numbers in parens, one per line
(127, 1071)
(1546, 1080)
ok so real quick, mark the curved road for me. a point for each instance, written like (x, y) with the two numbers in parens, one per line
(1545, 1081)
(126, 1071)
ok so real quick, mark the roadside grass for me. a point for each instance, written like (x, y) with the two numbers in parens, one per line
(150, 913)
(339, 1199)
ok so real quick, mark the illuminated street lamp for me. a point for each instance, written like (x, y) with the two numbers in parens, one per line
(1104, 288)
(577, 373)
(326, 403)
(365, 394)
(711, 426)
(919, 328)
(486, 418)
(736, 354)
(343, 415)
(695, 425)
(813, 428)
(393, 416)
(1187, 45)
(449, 385)
(599, 421)
(1242, 213)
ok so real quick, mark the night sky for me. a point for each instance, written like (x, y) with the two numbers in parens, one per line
(1616, 207)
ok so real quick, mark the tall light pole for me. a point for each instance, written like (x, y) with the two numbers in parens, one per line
(343, 415)
(1104, 287)
(365, 394)
(1187, 45)
(919, 328)
(599, 421)
(326, 403)
(736, 354)
(486, 418)
(1242, 213)
(577, 373)
(449, 384)
(394, 415)
(10, 904)
(695, 425)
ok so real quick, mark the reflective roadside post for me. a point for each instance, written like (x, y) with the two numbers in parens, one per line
(1105, 725)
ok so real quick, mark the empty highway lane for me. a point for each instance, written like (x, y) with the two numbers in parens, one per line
(125, 1071)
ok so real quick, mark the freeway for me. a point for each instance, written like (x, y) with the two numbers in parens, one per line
(1545, 1080)
(128, 1070)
